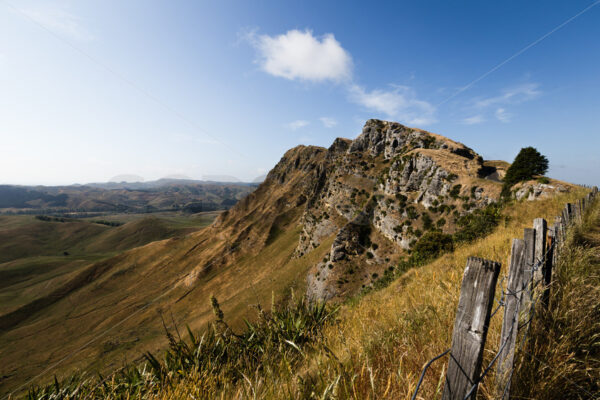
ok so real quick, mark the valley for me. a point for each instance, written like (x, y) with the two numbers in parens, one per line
(37, 255)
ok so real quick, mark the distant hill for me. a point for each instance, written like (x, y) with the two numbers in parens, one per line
(220, 178)
(260, 179)
(38, 254)
(126, 178)
(152, 196)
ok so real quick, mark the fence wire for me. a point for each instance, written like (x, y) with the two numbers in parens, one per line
(528, 287)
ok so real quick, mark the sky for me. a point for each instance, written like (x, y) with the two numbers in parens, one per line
(94, 89)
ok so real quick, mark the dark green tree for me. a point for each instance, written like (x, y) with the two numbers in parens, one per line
(527, 163)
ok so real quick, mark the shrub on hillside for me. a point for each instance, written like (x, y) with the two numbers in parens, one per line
(455, 191)
(431, 245)
(477, 224)
(427, 221)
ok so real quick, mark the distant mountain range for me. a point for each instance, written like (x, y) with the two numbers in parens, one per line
(160, 195)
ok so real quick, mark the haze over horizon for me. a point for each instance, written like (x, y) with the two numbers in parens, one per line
(94, 90)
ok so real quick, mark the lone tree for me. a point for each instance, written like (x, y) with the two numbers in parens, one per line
(528, 162)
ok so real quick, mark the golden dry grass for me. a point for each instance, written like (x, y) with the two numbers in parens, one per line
(380, 343)
(560, 358)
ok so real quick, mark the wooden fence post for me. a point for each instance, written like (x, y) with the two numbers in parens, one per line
(471, 327)
(570, 213)
(558, 231)
(577, 211)
(561, 230)
(540, 226)
(529, 237)
(510, 324)
(549, 265)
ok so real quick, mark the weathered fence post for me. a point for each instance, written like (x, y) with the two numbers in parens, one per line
(569, 213)
(540, 226)
(529, 238)
(471, 327)
(551, 259)
(577, 211)
(560, 235)
(510, 324)
(558, 232)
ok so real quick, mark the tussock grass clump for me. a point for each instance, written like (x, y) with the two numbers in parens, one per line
(561, 357)
(215, 361)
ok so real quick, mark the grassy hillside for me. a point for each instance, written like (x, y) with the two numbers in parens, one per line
(40, 259)
(374, 348)
(381, 341)
(30, 247)
(112, 308)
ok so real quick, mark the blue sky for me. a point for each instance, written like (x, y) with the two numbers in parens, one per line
(93, 89)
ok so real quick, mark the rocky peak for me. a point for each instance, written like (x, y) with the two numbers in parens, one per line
(388, 186)
(393, 138)
(300, 158)
(367, 200)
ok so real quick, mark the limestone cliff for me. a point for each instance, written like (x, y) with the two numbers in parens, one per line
(378, 193)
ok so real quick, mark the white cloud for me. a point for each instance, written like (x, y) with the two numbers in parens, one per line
(400, 102)
(513, 95)
(294, 125)
(328, 122)
(59, 21)
(475, 119)
(502, 115)
(300, 55)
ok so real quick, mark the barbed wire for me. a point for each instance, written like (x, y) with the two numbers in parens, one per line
(528, 286)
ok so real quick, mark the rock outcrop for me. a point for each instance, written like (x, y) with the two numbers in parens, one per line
(376, 194)
(534, 190)
(363, 203)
